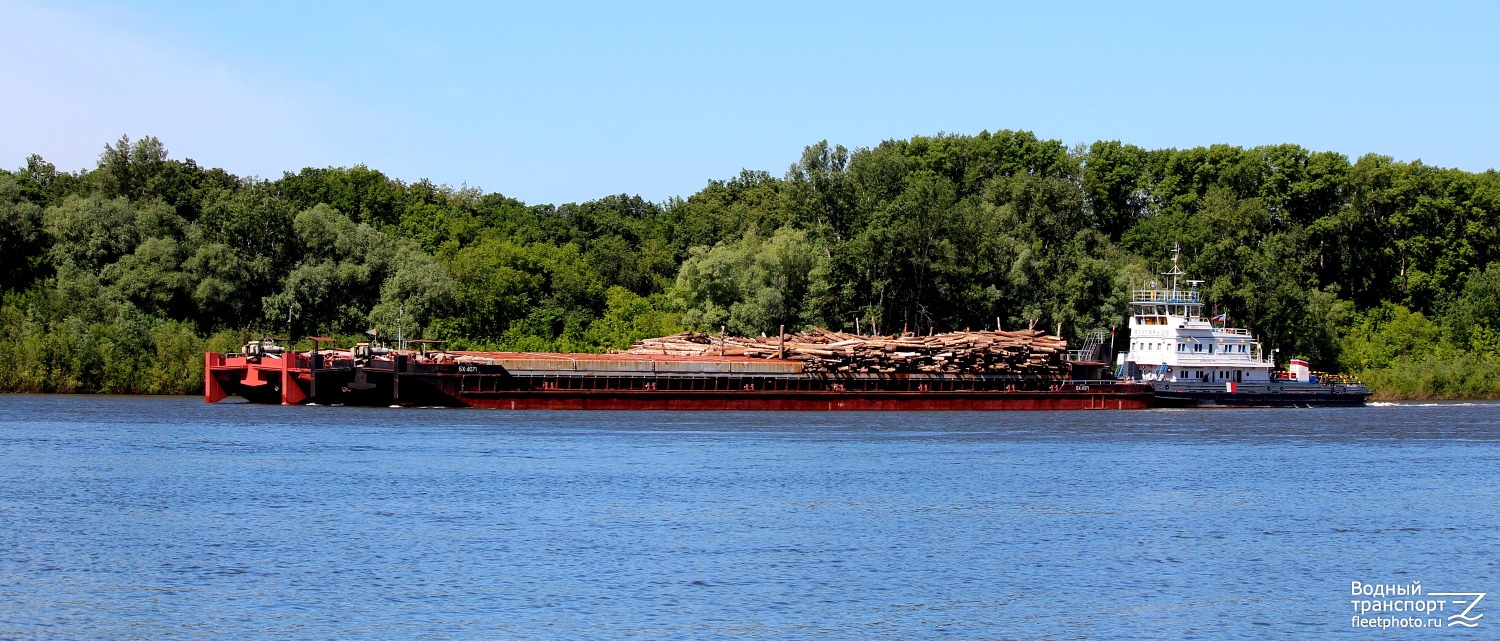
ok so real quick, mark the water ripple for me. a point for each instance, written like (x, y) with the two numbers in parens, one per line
(146, 518)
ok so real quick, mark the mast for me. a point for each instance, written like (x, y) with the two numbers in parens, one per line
(1176, 271)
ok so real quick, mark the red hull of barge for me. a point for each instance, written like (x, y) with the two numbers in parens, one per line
(301, 378)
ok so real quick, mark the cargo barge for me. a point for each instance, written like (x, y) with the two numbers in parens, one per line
(425, 376)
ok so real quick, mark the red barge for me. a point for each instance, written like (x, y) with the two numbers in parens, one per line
(367, 375)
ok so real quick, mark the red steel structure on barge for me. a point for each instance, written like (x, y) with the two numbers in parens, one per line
(370, 376)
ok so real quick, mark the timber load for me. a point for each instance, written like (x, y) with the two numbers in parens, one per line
(1028, 353)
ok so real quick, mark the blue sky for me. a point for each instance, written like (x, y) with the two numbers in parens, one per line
(564, 102)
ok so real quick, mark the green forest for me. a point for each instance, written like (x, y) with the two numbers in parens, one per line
(117, 279)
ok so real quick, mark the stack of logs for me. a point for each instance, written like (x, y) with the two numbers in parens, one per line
(1024, 352)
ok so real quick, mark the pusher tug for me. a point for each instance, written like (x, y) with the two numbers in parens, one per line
(1191, 363)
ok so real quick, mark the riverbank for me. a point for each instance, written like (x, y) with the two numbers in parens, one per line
(1465, 377)
(136, 354)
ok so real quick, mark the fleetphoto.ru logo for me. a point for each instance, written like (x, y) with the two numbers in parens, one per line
(1405, 605)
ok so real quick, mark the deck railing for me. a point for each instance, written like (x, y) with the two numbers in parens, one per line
(1169, 296)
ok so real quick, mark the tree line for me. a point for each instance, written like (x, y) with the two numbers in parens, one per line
(116, 278)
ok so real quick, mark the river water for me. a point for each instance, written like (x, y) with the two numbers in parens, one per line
(166, 518)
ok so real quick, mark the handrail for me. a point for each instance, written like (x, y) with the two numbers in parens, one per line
(1181, 296)
(1234, 358)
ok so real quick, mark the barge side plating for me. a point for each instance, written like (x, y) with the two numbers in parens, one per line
(265, 373)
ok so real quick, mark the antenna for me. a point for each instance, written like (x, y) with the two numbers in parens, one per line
(1176, 271)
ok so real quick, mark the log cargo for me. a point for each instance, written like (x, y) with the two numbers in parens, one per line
(1025, 352)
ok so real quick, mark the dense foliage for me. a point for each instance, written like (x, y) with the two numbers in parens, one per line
(117, 278)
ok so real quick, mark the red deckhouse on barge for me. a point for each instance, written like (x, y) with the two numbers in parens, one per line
(827, 371)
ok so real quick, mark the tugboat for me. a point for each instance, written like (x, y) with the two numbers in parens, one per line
(1191, 362)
